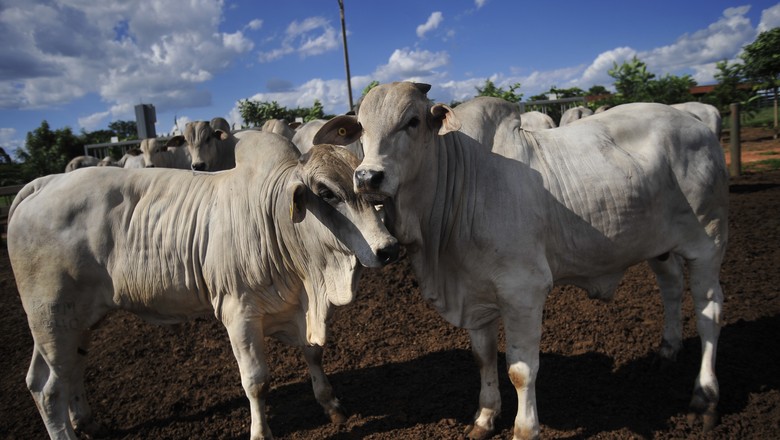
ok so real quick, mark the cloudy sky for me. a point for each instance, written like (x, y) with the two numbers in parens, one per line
(83, 64)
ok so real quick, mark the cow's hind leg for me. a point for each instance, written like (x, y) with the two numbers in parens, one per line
(484, 345)
(48, 380)
(708, 305)
(671, 281)
(323, 391)
(81, 415)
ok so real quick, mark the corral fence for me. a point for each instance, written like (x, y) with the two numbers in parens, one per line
(7, 194)
(106, 149)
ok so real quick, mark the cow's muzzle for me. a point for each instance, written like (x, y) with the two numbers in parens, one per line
(389, 253)
(200, 166)
(368, 180)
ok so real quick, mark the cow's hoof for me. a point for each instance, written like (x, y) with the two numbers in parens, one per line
(475, 432)
(709, 418)
(91, 430)
(337, 416)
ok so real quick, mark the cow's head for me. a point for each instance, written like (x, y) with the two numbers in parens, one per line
(203, 142)
(322, 186)
(153, 152)
(396, 124)
(337, 228)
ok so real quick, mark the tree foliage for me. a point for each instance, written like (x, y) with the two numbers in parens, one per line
(124, 130)
(490, 89)
(632, 80)
(671, 89)
(47, 151)
(762, 64)
(728, 90)
(255, 113)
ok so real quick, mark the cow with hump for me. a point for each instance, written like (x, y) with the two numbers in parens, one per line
(488, 235)
(267, 247)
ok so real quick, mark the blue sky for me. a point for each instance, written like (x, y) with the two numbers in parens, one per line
(83, 64)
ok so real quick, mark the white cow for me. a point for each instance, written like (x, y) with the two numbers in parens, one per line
(211, 145)
(280, 127)
(535, 120)
(159, 155)
(81, 162)
(304, 137)
(707, 113)
(134, 158)
(132, 161)
(489, 236)
(574, 114)
(170, 245)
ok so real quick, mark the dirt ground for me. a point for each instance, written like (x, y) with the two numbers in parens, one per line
(403, 373)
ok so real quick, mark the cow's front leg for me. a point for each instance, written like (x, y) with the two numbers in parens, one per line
(246, 338)
(523, 326)
(484, 345)
(323, 391)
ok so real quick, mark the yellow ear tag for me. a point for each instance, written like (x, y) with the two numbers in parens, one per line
(291, 209)
(342, 131)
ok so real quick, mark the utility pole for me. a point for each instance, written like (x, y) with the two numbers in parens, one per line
(346, 54)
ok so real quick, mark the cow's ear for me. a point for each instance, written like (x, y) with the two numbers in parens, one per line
(221, 134)
(341, 130)
(176, 141)
(424, 88)
(443, 119)
(297, 202)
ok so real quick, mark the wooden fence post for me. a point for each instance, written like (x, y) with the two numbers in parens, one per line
(735, 152)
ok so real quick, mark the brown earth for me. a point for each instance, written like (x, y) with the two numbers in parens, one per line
(403, 373)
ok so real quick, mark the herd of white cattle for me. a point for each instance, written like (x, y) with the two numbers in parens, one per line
(268, 228)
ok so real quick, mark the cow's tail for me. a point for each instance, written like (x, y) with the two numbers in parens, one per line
(27, 191)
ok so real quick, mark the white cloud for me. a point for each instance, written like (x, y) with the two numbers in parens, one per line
(237, 42)
(479, 3)
(596, 72)
(406, 64)
(433, 22)
(770, 18)
(9, 142)
(719, 40)
(94, 121)
(255, 24)
(124, 51)
(312, 36)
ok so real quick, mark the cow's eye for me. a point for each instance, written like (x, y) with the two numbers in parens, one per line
(327, 195)
(414, 122)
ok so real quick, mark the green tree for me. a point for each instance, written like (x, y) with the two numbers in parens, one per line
(47, 152)
(597, 90)
(124, 130)
(632, 81)
(728, 90)
(762, 64)
(490, 89)
(368, 88)
(97, 136)
(671, 89)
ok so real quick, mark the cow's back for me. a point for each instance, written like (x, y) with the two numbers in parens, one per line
(613, 175)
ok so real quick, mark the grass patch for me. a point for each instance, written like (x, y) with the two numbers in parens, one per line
(763, 117)
(762, 165)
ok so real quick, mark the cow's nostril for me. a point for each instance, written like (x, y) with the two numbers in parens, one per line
(369, 178)
(200, 166)
(389, 253)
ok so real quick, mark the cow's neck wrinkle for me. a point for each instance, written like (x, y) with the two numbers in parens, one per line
(446, 222)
